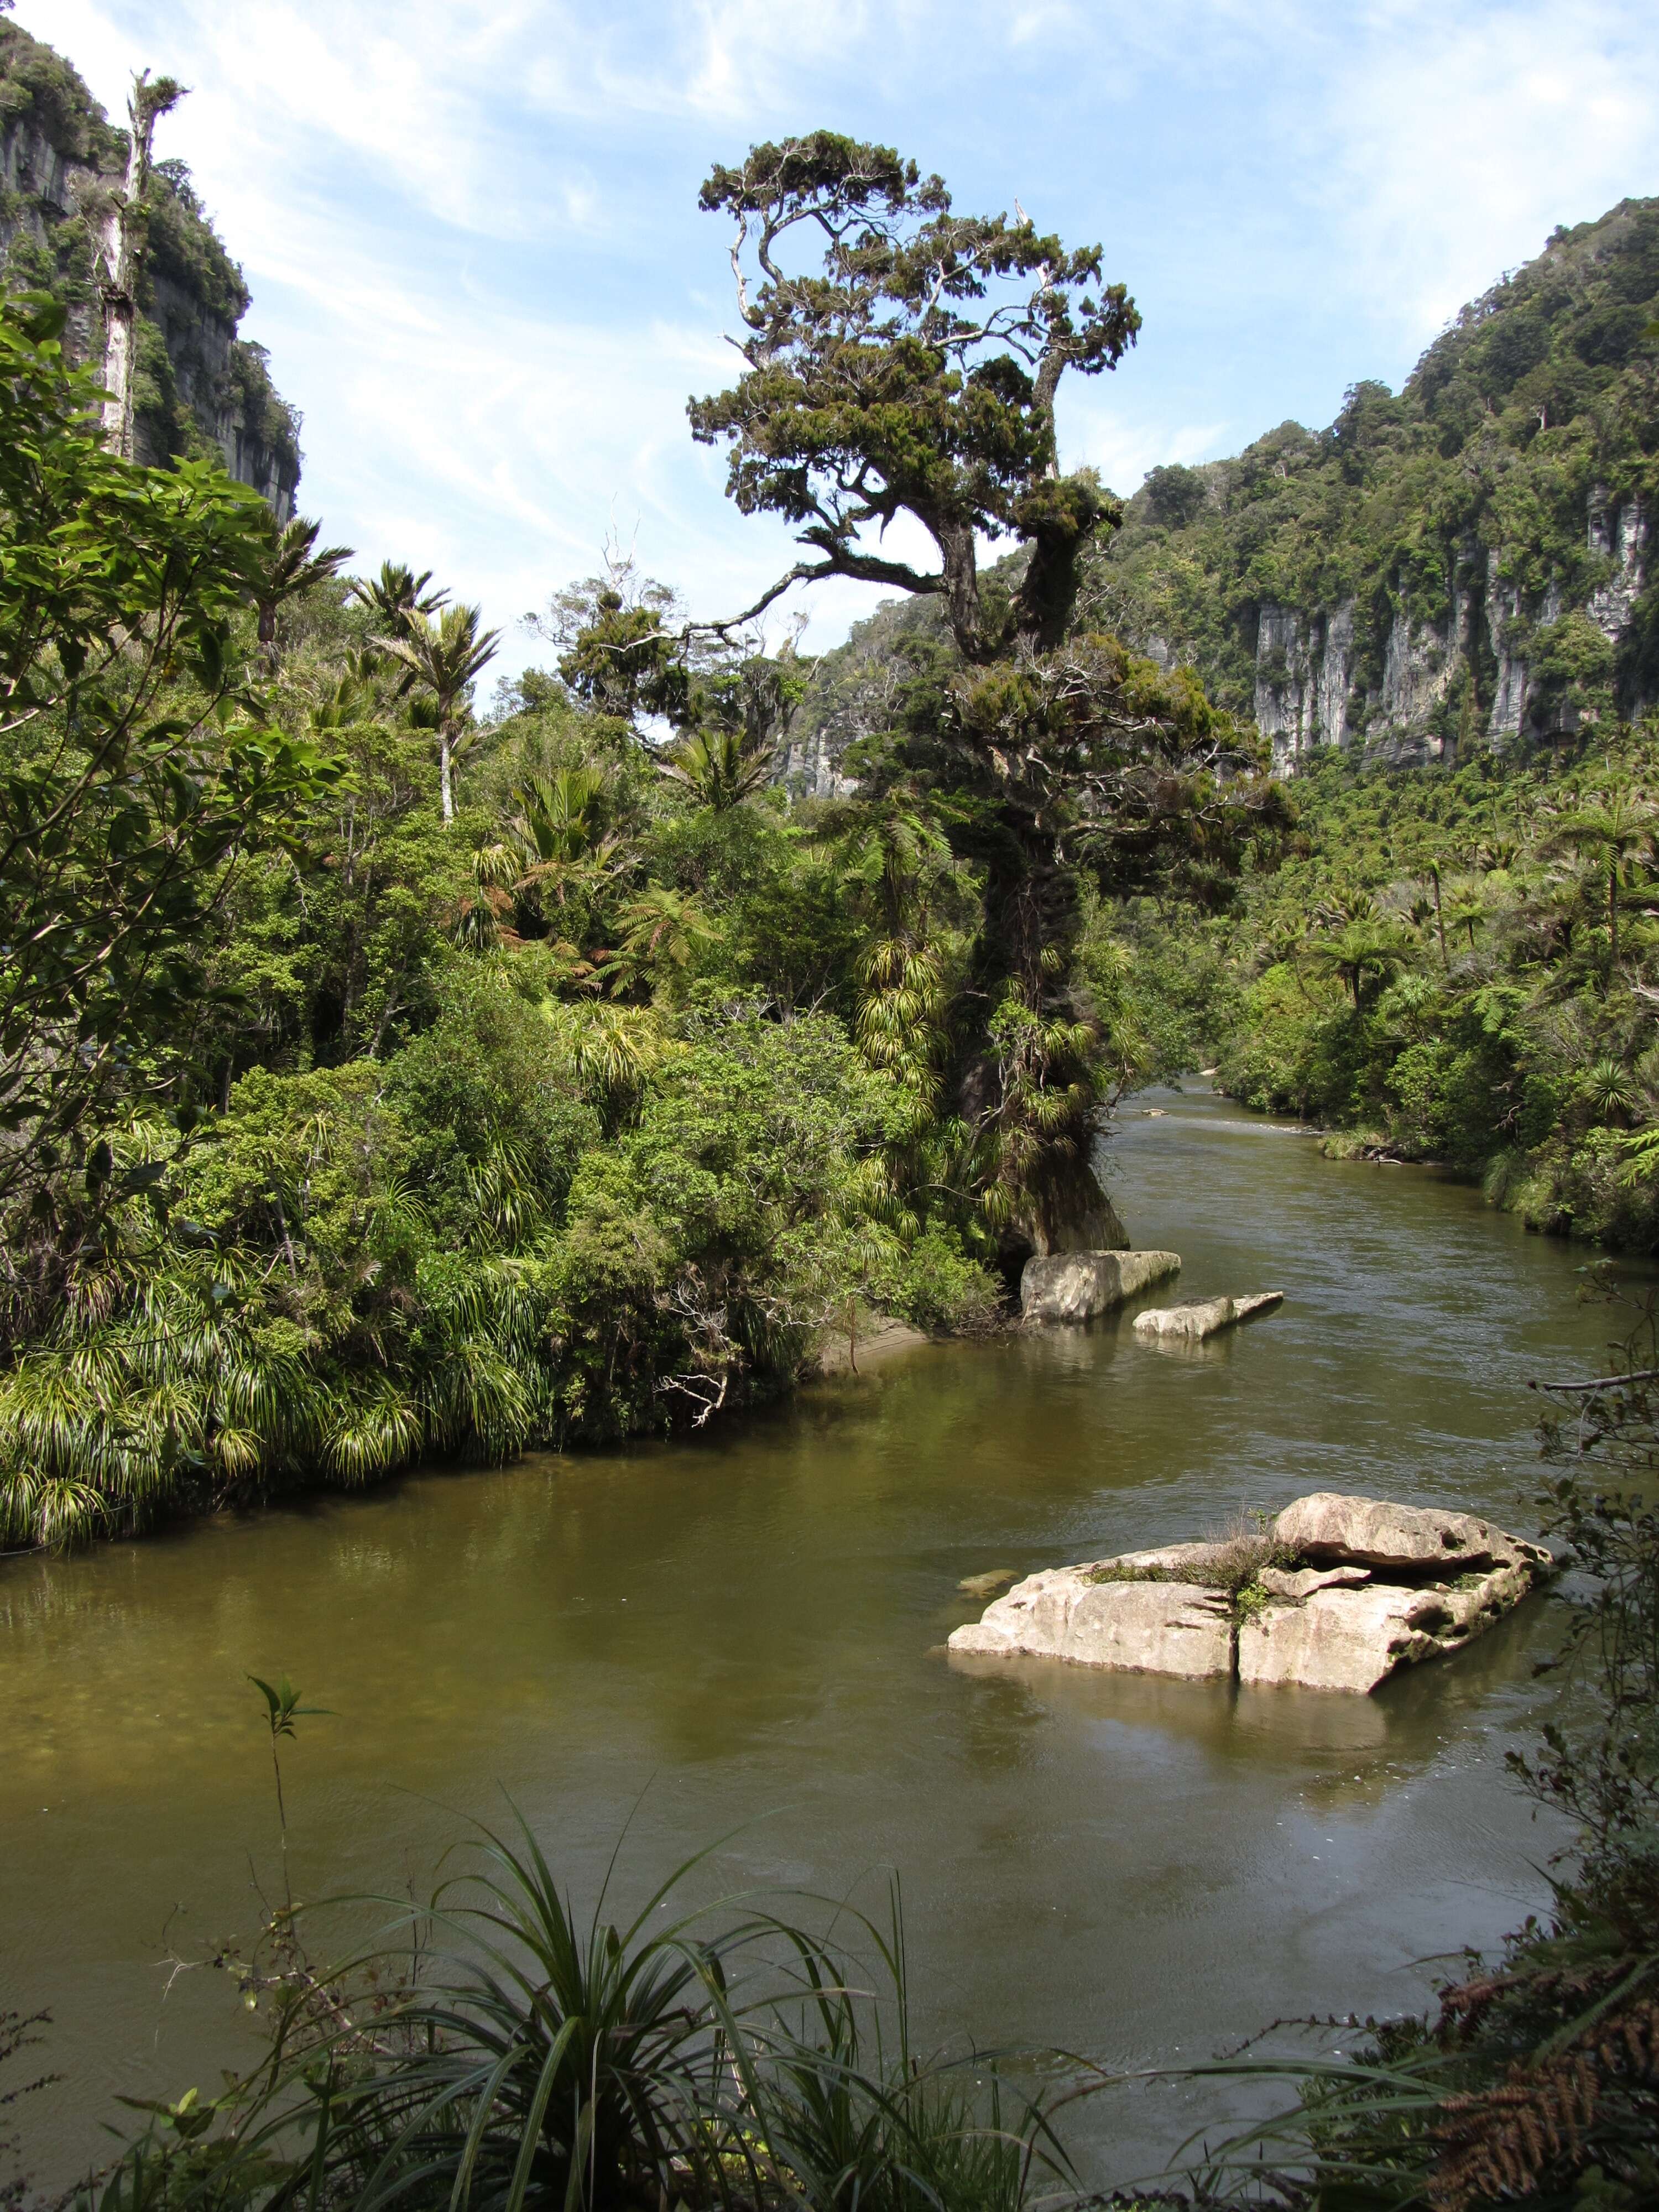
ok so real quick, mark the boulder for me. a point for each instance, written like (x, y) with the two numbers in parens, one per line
(1203, 1317)
(1320, 1621)
(1329, 1528)
(1152, 1627)
(1078, 1285)
(1344, 1639)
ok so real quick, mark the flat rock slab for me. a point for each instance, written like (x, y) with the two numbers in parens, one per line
(1203, 1317)
(1148, 1628)
(1078, 1285)
(1318, 1618)
(1299, 1581)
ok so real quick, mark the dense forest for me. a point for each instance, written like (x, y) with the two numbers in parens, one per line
(384, 1077)
(388, 1072)
(400, 1058)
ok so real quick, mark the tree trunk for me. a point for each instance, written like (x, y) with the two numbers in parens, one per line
(120, 254)
(1440, 921)
(446, 776)
(1612, 917)
(955, 545)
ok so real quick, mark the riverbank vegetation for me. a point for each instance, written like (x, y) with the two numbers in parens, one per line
(385, 1074)
(1453, 965)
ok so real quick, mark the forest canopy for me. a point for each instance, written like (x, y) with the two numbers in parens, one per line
(389, 1076)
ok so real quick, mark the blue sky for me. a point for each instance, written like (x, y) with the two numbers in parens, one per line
(471, 229)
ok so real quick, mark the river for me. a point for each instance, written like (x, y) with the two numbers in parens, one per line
(742, 1632)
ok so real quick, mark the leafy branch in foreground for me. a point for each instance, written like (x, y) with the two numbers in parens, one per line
(282, 1709)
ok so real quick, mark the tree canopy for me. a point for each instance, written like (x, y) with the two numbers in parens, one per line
(912, 373)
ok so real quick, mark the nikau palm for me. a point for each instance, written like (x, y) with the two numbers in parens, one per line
(719, 766)
(294, 567)
(1610, 831)
(445, 657)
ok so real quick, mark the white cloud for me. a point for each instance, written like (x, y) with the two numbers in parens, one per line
(1459, 139)
(1123, 445)
(468, 228)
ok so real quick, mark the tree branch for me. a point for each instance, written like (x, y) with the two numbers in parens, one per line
(862, 567)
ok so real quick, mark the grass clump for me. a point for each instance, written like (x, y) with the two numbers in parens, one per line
(1245, 1547)
(531, 2056)
(1237, 1557)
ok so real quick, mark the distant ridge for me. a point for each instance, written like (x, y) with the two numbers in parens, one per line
(1463, 567)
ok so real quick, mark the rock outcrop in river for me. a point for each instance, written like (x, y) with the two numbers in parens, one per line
(1201, 1317)
(1339, 1594)
(1078, 1285)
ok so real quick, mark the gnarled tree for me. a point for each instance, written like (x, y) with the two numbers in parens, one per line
(910, 373)
(913, 373)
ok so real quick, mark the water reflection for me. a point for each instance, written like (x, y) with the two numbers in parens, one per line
(741, 1628)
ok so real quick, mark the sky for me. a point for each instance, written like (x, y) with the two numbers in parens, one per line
(470, 230)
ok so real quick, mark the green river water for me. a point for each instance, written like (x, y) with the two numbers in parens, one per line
(743, 1632)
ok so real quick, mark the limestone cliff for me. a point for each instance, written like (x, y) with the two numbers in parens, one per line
(1462, 566)
(200, 386)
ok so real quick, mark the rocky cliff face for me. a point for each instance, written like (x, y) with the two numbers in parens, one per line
(1464, 566)
(200, 385)
(1309, 691)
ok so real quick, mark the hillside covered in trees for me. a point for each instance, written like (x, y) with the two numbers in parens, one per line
(201, 389)
(387, 1075)
(1453, 569)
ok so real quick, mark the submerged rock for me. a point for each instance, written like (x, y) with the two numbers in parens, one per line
(1078, 1285)
(1202, 1317)
(1356, 1590)
(988, 1584)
